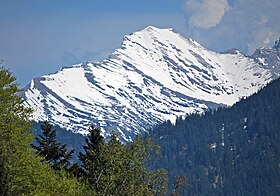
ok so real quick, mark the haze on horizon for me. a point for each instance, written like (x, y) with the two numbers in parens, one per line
(39, 37)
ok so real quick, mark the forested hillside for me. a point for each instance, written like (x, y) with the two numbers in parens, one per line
(231, 151)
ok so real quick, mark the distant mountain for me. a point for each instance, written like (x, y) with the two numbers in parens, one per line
(156, 75)
(269, 58)
(231, 151)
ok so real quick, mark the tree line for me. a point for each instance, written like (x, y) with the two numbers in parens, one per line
(108, 168)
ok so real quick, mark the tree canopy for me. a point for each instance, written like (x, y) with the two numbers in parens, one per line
(113, 168)
(51, 150)
(21, 172)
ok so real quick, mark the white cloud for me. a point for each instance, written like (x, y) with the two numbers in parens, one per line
(261, 37)
(206, 13)
(242, 24)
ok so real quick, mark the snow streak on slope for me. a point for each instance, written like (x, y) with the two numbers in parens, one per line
(156, 75)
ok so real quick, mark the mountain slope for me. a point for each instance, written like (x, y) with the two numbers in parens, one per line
(269, 58)
(156, 75)
(231, 151)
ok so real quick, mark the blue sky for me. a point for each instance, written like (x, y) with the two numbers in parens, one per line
(37, 37)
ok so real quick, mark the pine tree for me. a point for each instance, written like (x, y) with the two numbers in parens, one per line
(113, 168)
(52, 151)
(93, 162)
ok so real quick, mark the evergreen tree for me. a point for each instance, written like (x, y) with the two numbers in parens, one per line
(13, 124)
(22, 173)
(113, 168)
(53, 152)
(93, 162)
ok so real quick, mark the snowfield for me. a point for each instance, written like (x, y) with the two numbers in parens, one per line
(156, 75)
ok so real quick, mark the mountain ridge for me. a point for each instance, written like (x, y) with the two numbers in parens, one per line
(156, 75)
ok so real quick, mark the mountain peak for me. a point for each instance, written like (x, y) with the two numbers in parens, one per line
(269, 58)
(154, 37)
(151, 28)
(156, 75)
(157, 29)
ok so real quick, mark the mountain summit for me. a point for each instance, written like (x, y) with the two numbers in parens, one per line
(269, 58)
(156, 75)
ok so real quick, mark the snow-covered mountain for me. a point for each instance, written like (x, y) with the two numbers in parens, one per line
(269, 58)
(156, 75)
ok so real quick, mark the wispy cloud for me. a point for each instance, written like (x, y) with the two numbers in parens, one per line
(243, 24)
(206, 13)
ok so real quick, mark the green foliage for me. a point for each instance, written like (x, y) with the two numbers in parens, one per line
(14, 129)
(231, 151)
(53, 151)
(22, 173)
(73, 140)
(93, 159)
(113, 168)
